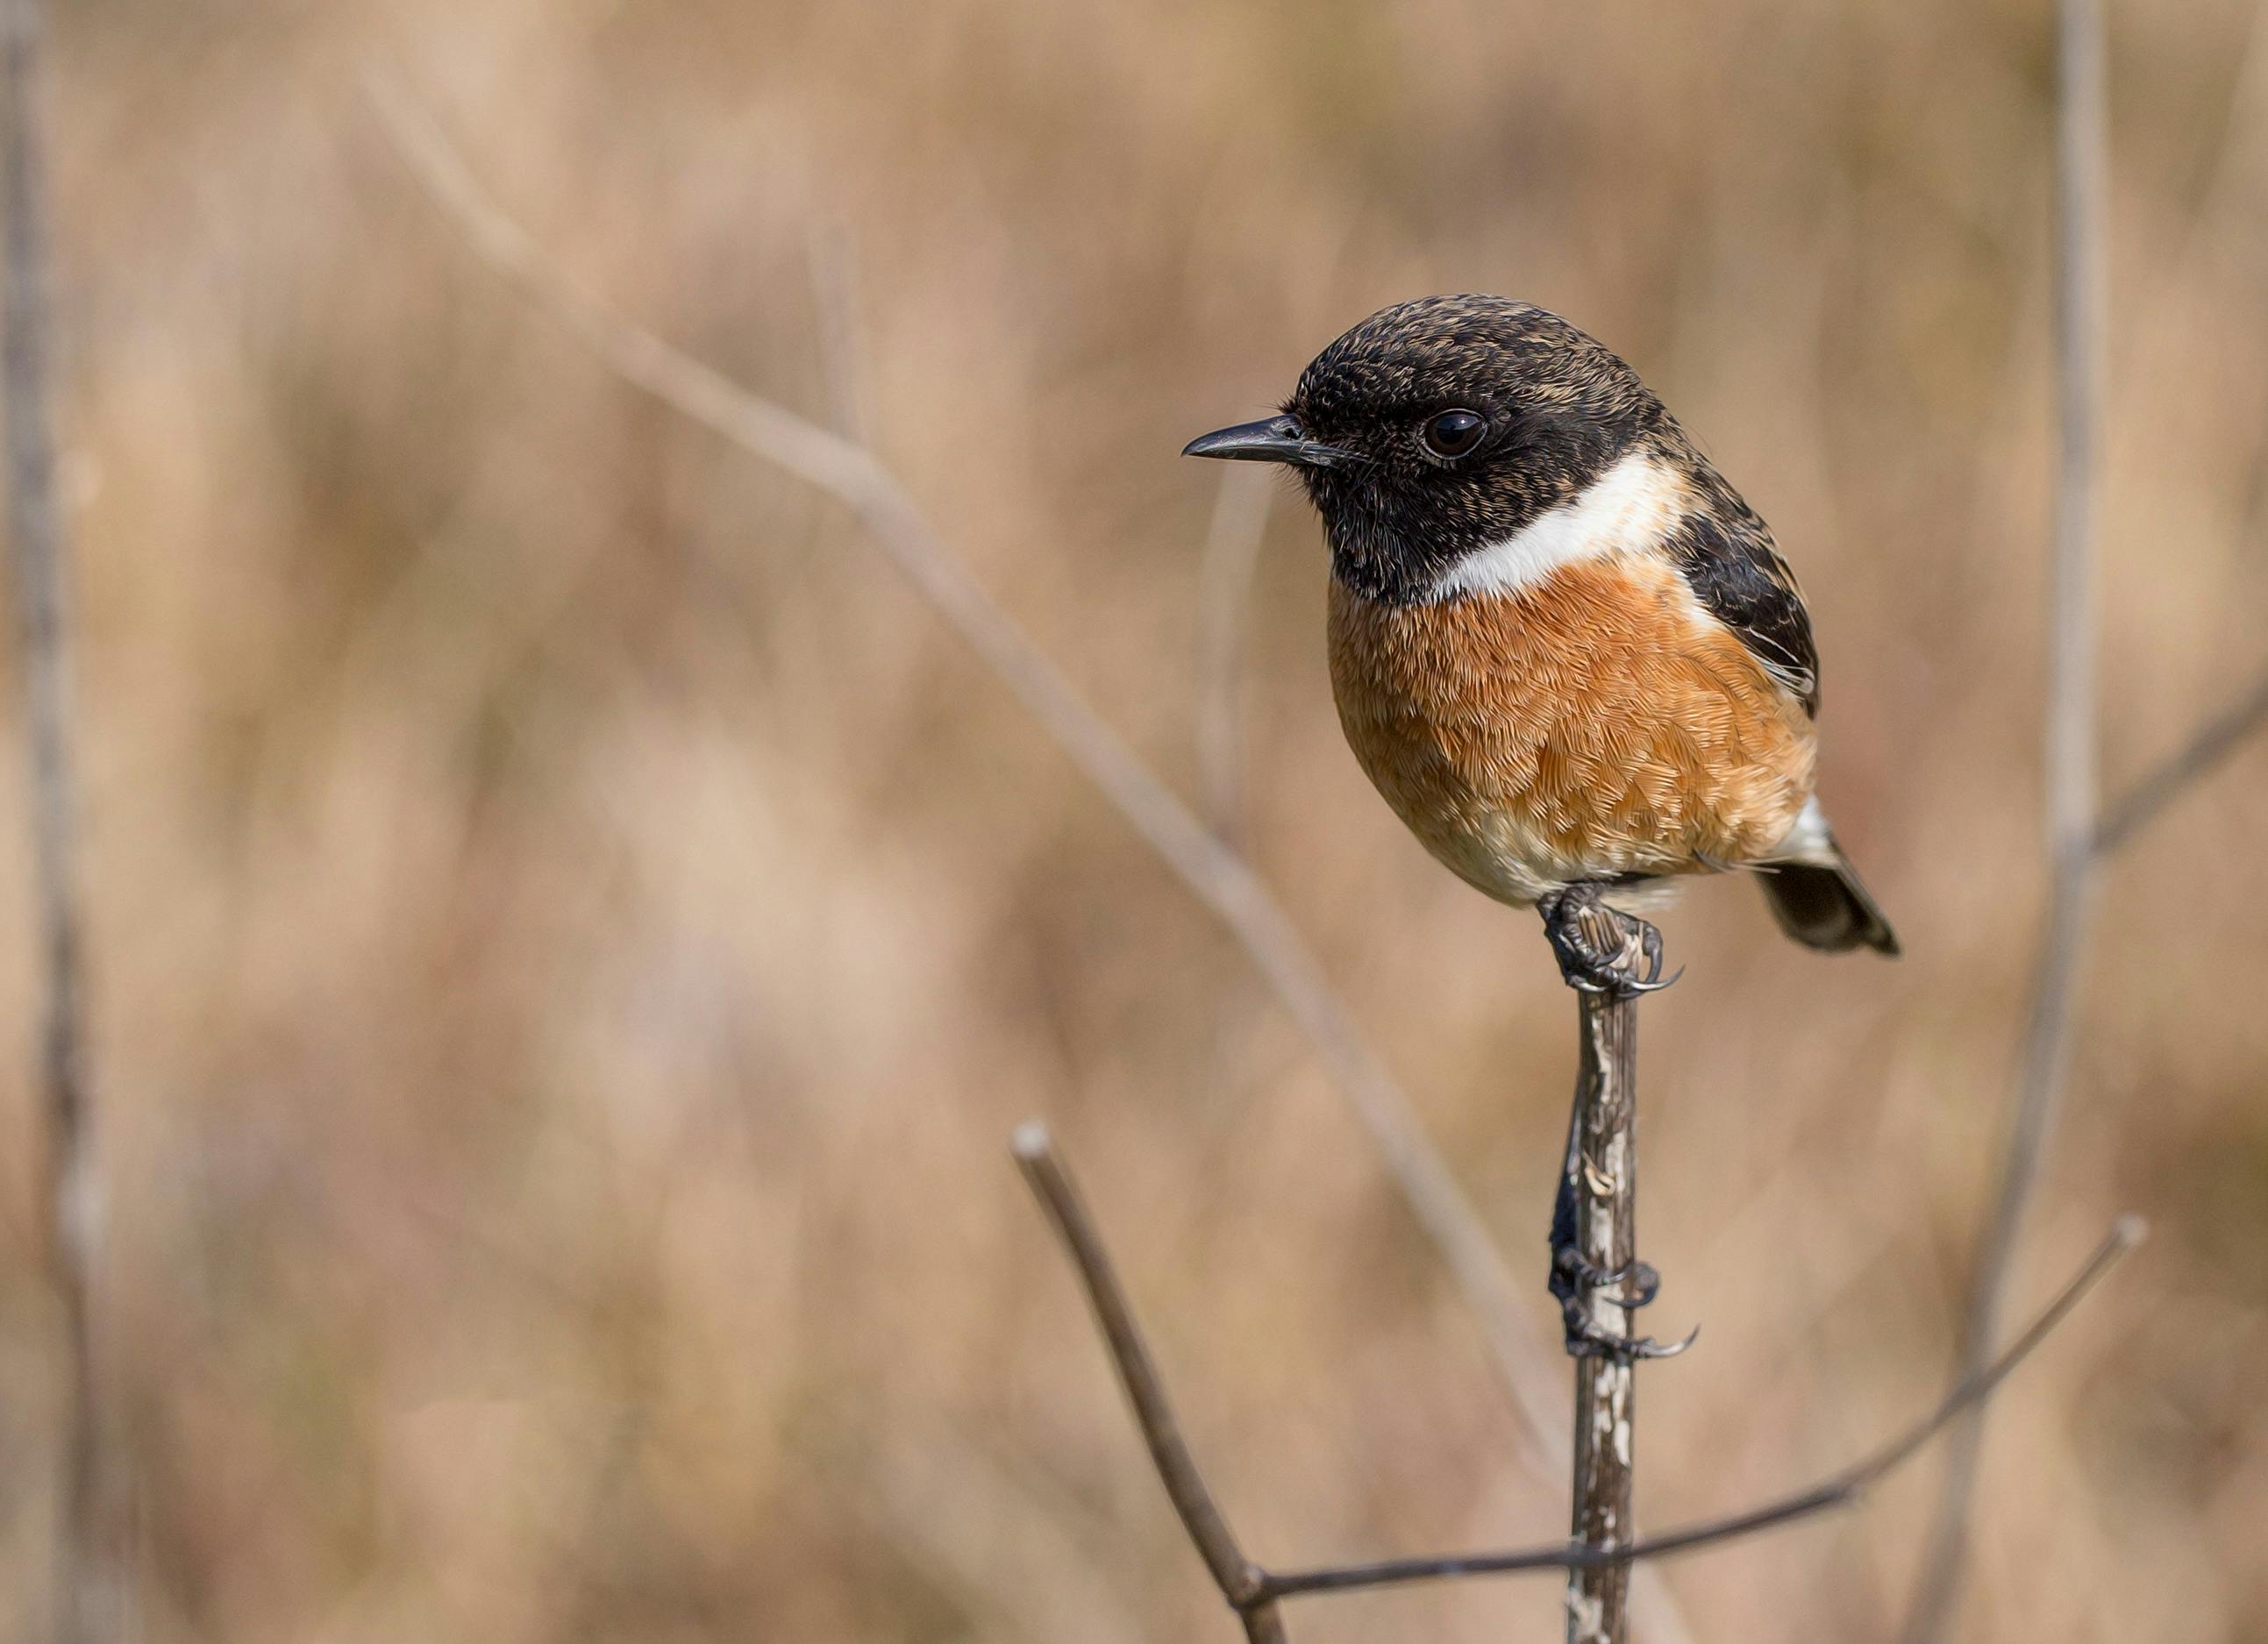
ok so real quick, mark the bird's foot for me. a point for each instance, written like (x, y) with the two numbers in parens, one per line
(1575, 1280)
(1587, 1340)
(1601, 950)
(1581, 1274)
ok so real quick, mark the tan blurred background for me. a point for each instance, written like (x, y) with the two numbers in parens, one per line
(573, 932)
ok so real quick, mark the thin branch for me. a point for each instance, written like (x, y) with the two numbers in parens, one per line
(2082, 168)
(1250, 1589)
(2212, 742)
(1216, 874)
(1837, 1490)
(1231, 554)
(1232, 1572)
(1595, 1221)
(1239, 1579)
(86, 1585)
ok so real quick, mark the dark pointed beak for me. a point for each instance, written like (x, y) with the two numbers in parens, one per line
(1272, 439)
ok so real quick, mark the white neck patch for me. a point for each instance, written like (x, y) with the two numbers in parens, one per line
(1632, 507)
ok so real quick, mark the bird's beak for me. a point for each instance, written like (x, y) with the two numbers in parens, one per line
(1272, 439)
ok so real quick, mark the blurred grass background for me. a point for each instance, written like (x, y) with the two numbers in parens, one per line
(573, 934)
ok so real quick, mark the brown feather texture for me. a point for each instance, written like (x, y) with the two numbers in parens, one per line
(1598, 726)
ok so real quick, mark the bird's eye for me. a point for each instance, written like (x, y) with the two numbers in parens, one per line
(1453, 433)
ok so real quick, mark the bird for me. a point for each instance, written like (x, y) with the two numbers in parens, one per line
(1564, 649)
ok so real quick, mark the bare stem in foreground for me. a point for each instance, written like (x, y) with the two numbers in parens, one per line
(1602, 1177)
(1605, 1417)
(86, 1589)
(1254, 1592)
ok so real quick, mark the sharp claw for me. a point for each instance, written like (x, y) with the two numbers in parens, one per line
(1590, 1343)
(1647, 1347)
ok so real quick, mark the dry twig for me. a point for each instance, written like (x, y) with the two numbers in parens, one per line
(1254, 1592)
(87, 1586)
(1610, 958)
(2149, 798)
(1601, 1186)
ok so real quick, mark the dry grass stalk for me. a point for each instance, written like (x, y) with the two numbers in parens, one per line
(86, 1585)
(2071, 823)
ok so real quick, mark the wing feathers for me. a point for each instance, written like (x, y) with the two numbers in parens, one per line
(1726, 555)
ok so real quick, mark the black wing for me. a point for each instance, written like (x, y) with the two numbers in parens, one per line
(1728, 556)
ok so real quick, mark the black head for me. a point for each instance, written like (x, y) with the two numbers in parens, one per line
(1435, 428)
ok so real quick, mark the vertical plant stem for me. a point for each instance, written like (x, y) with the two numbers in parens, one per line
(72, 1190)
(1606, 1159)
(2081, 176)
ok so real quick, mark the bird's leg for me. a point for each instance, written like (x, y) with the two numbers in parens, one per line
(1600, 948)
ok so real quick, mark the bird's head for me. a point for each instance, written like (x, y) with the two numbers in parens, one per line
(1438, 428)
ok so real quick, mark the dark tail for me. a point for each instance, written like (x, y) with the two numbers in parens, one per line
(1826, 907)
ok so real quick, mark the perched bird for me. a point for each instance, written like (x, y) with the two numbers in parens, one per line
(1564, 649)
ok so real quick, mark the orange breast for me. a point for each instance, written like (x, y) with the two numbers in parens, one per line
(1600, 722)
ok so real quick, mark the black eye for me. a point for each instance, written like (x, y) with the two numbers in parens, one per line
(1453, 433)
